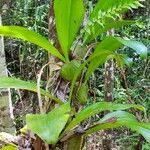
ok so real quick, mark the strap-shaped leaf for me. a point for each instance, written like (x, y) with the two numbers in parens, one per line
(113, 44)
(83, 65)
(7, 82)
(69, 15)
(49, 126)
(139, 47)
(121, 118)
(30, 36)
(97, 108)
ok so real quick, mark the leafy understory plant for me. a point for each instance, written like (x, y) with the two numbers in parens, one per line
(56, 126)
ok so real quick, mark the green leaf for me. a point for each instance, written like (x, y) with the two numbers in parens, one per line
(69, 15)
(107, 27)
(105, 15)
(76, 142)
(82, 66)
(123, 59)
(30, 36)
(111, 44)
(49, 126)
(80, 51)
(69, 69)
(9, 147)
(106, 47)
(139, 47)
(121, 118)
(7, 82)
(97, 108)
(112, 120)
(83, 93)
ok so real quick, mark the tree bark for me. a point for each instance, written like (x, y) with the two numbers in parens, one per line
(109, 80)
(108, 89)
(6, 111)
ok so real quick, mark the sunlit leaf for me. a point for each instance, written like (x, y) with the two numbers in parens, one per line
(9, 147)
(121, 118)
(49, 126)
(139, 47)
(106, 47)
(111, 44)
(69, 15)
(30, 36)
(7, 82)
(97, 108)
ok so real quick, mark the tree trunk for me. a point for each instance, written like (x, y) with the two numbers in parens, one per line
(109, 86)
(6, 112)
(109, 80)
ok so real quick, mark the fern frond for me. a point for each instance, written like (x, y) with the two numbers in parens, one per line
(107, 11)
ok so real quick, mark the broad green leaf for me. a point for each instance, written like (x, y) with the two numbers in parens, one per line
(113, 44)
(139, 47)
(106, 47)
(9, 147)
(88, 37)
(49, 126)
(30, 36)
(103, 54)
(69, 15)
(69, 69)
(97, 108)
(112, 120)
(82, 66)
(76, 142)
(103, 51)
(7, 82)
(121, 118)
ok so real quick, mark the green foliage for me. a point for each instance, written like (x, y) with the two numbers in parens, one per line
(97, 108)
(30, 36)
(9, 147)
(83, 93)
(68, 70)
(68, 22)
(115, 43)
(53, 126)
(106, 12)
(75, 142)
(6, 82)
(121, 118)
(49, 126)
(99, 30)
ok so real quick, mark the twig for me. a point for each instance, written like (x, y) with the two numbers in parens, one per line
(126, 85)
(146, 67)
(38, 86)
(89, 48)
